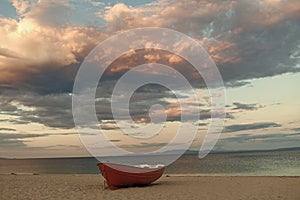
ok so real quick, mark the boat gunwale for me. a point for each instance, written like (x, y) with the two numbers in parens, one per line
(146, 170)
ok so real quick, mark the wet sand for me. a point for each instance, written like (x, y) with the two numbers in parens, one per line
(83, 186)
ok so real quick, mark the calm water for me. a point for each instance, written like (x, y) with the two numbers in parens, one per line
(276, 163)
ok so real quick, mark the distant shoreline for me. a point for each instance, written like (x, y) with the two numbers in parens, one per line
(188, 152)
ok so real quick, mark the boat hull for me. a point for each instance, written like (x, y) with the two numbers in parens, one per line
(118, 176)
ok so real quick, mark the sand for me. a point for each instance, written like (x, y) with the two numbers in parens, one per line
(172, 187)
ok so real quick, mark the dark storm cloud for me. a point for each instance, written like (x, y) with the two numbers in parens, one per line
(52, 110)
(265, 47)
(55, 110)
(247, 39)
(6, 104)
(253, 126)
(52, 79)
(140, 102)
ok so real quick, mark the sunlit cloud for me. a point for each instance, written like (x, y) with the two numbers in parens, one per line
(42, 47)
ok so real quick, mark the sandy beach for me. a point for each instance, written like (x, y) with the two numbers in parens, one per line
(82, 186)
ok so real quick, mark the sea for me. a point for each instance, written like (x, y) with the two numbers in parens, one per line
(258, 163)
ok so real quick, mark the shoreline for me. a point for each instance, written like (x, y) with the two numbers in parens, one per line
(169, 186)
(164, 175)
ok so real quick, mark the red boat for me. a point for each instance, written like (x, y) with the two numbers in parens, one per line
(118, 176)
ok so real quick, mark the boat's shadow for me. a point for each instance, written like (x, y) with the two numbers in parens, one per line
(158, 184)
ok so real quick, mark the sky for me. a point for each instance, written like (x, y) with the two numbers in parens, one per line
(255, 45)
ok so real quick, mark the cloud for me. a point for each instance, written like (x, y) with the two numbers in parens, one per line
(7, 129)
(247, 39)
(238, 107)
(242, 107)
(16, 139)
(21, 6)
(268, 138)
(62, 147)
(41, 51)
(114, 140)
(8, 53)
(8, 136)
(55, 110)
(49, 110)
(144, 145)
(236, 83)
(253, 126)
(239, 54)
(296, 129)
(49, 13)
(110, 126)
